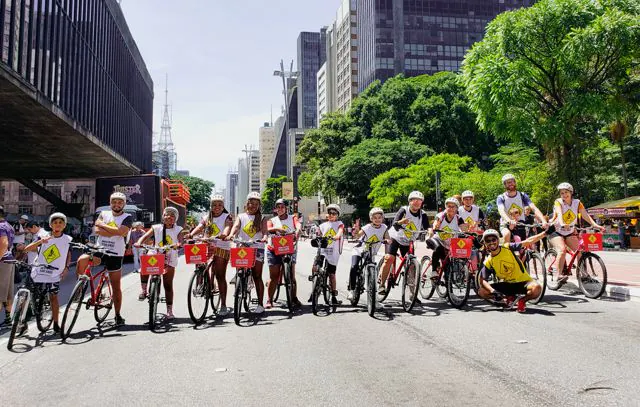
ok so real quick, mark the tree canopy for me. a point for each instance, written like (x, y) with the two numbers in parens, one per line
(200, 191)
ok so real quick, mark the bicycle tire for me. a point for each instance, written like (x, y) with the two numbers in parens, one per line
(237, 298)
(247, 296)
(99, 304)
(441, 285)
(358, 289)
(21, 301)
(326, 288)
(153, 302)
(427, 288)
(198, 289)
(215, 298)
(372, 279)
(411, 284)
(74, 300)
(536, 269)
(382, 297)
(288, 286)
(587, 261)
(44, 313)
(550, 261)
(276, 294)
(458, 280)
(315, 294)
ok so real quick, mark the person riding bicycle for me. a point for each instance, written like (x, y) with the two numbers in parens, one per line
(567, 211)
(333, 229)
(112, 227)
(510, 199)
(512, 277)
(281, 224)
(167, 233)
(414, 219)
(251, 225)
(470, 213)
(218, 224)
(374, 233)
(450, 222)
(51, 250)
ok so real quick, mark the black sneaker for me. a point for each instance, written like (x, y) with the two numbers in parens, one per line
(22, 330)
(56, 328)
(335, 301)
(7, 320)
(119, 320)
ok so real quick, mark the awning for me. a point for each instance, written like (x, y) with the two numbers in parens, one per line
(620, 208)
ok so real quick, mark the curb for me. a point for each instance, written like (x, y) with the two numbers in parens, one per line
(621, 292)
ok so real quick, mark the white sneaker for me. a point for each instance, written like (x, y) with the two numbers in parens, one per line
(259, 309)
(350, 295)
(224, 311)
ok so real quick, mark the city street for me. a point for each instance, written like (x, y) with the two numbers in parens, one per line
(566, 351)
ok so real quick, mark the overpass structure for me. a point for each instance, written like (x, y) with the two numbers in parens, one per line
(76, 99)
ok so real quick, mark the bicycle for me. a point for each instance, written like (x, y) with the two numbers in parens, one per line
(202, 285)
(101, 296)
(591, 281)
(409, 271)
(29, 296)
(320, 277)
(453, 280)
(366, 263)
(285, 246)
(243, 258)
(154, 266)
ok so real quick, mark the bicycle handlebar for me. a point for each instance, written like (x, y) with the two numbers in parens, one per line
(529, 226)
(161, 249)
(91, 249)
(457, 233)
(397, 226)
(244, 243)
(29, 266)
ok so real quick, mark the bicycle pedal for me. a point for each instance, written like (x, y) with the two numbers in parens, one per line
(311, 277)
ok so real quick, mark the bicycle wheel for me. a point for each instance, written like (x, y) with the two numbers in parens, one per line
(326, 288)
(411, 284)
(44, 314)
(535, 268)
(458, 286)
(248, 293)
(383, 296)
(276, 294)
(315, 293)
(154, 298)
(73, 308)
(372, 279)
(358, 289)
(551, 267)
(215, 297)
(427, 288)
(592, 275)
(104, 301)
(20, 302)
(198, 296)
(238, 298)
(441, 285)
(288, 286)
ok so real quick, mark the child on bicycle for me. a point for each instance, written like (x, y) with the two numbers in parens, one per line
(374, 233)
(449, 222)
(167, 233)
(519, 233)
(333, 229)
(52, 250)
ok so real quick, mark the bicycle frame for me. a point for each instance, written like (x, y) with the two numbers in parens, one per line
(396, 271)
(91, 278)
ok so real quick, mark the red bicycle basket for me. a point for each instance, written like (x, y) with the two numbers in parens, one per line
(243, 257)
(152, 264)
(461, 248)
(283, 244)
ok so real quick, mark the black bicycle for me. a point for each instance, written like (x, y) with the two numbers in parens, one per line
(320, 284)
(29, 296)
(155, 282)
(366, 275)
(203, 289)
(285, 278)
(244, 283)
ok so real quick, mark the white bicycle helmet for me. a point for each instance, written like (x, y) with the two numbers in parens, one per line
(491, 232)
(217, 198)
(118, 195)
(507, 177)
(416, 195)
(281, 201)
(57, 215)
(453, 201)
(375, 210)
(467, 194)
(173, 210)
(254, 195)
(334, 207)
(567, 186)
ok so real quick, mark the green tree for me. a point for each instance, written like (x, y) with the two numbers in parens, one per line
(551, 74)
(272, 192)
(200, 191)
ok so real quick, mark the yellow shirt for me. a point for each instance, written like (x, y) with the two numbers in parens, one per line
(506, 265)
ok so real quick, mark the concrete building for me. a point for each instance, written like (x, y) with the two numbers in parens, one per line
(311, 56)
(420, 36)
(267, 147)
(230, 192)
(254, 171)
(323, 90)
(294, 139)
(243, 183)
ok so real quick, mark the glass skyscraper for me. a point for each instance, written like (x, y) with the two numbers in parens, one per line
(418, 37)
(312, 53)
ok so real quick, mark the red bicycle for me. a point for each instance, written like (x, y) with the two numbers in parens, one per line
(591, 272)
(408, 271)
(101, 295)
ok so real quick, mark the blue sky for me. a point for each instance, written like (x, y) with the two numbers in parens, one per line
(220, 57)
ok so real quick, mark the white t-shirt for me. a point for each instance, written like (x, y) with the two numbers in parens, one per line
(19, 239)
(247, 231)
(373, 235)
(332, 252)
(52, 253)
(114, 243)
(171, 257)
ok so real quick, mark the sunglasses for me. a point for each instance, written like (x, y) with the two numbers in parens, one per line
(490, 240)
(332, 213)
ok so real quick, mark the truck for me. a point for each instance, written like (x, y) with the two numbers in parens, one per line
(147, 196)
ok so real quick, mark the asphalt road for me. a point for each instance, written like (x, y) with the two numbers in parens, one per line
(567, 351)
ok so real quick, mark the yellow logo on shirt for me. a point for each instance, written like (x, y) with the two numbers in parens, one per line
(469, 220)
(568, 217)
(113, 224)
(409, 229)
(248, 229)
(51, 254)
(514, 206)
(214, 230)
(373, 239)
(285, 227)
(446, 236)
(169, 241)
(330, 233)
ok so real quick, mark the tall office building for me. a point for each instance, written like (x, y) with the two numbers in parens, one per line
(231, 190)
(420, 36)
(311, 55)
(267, 147)
(254, 171)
